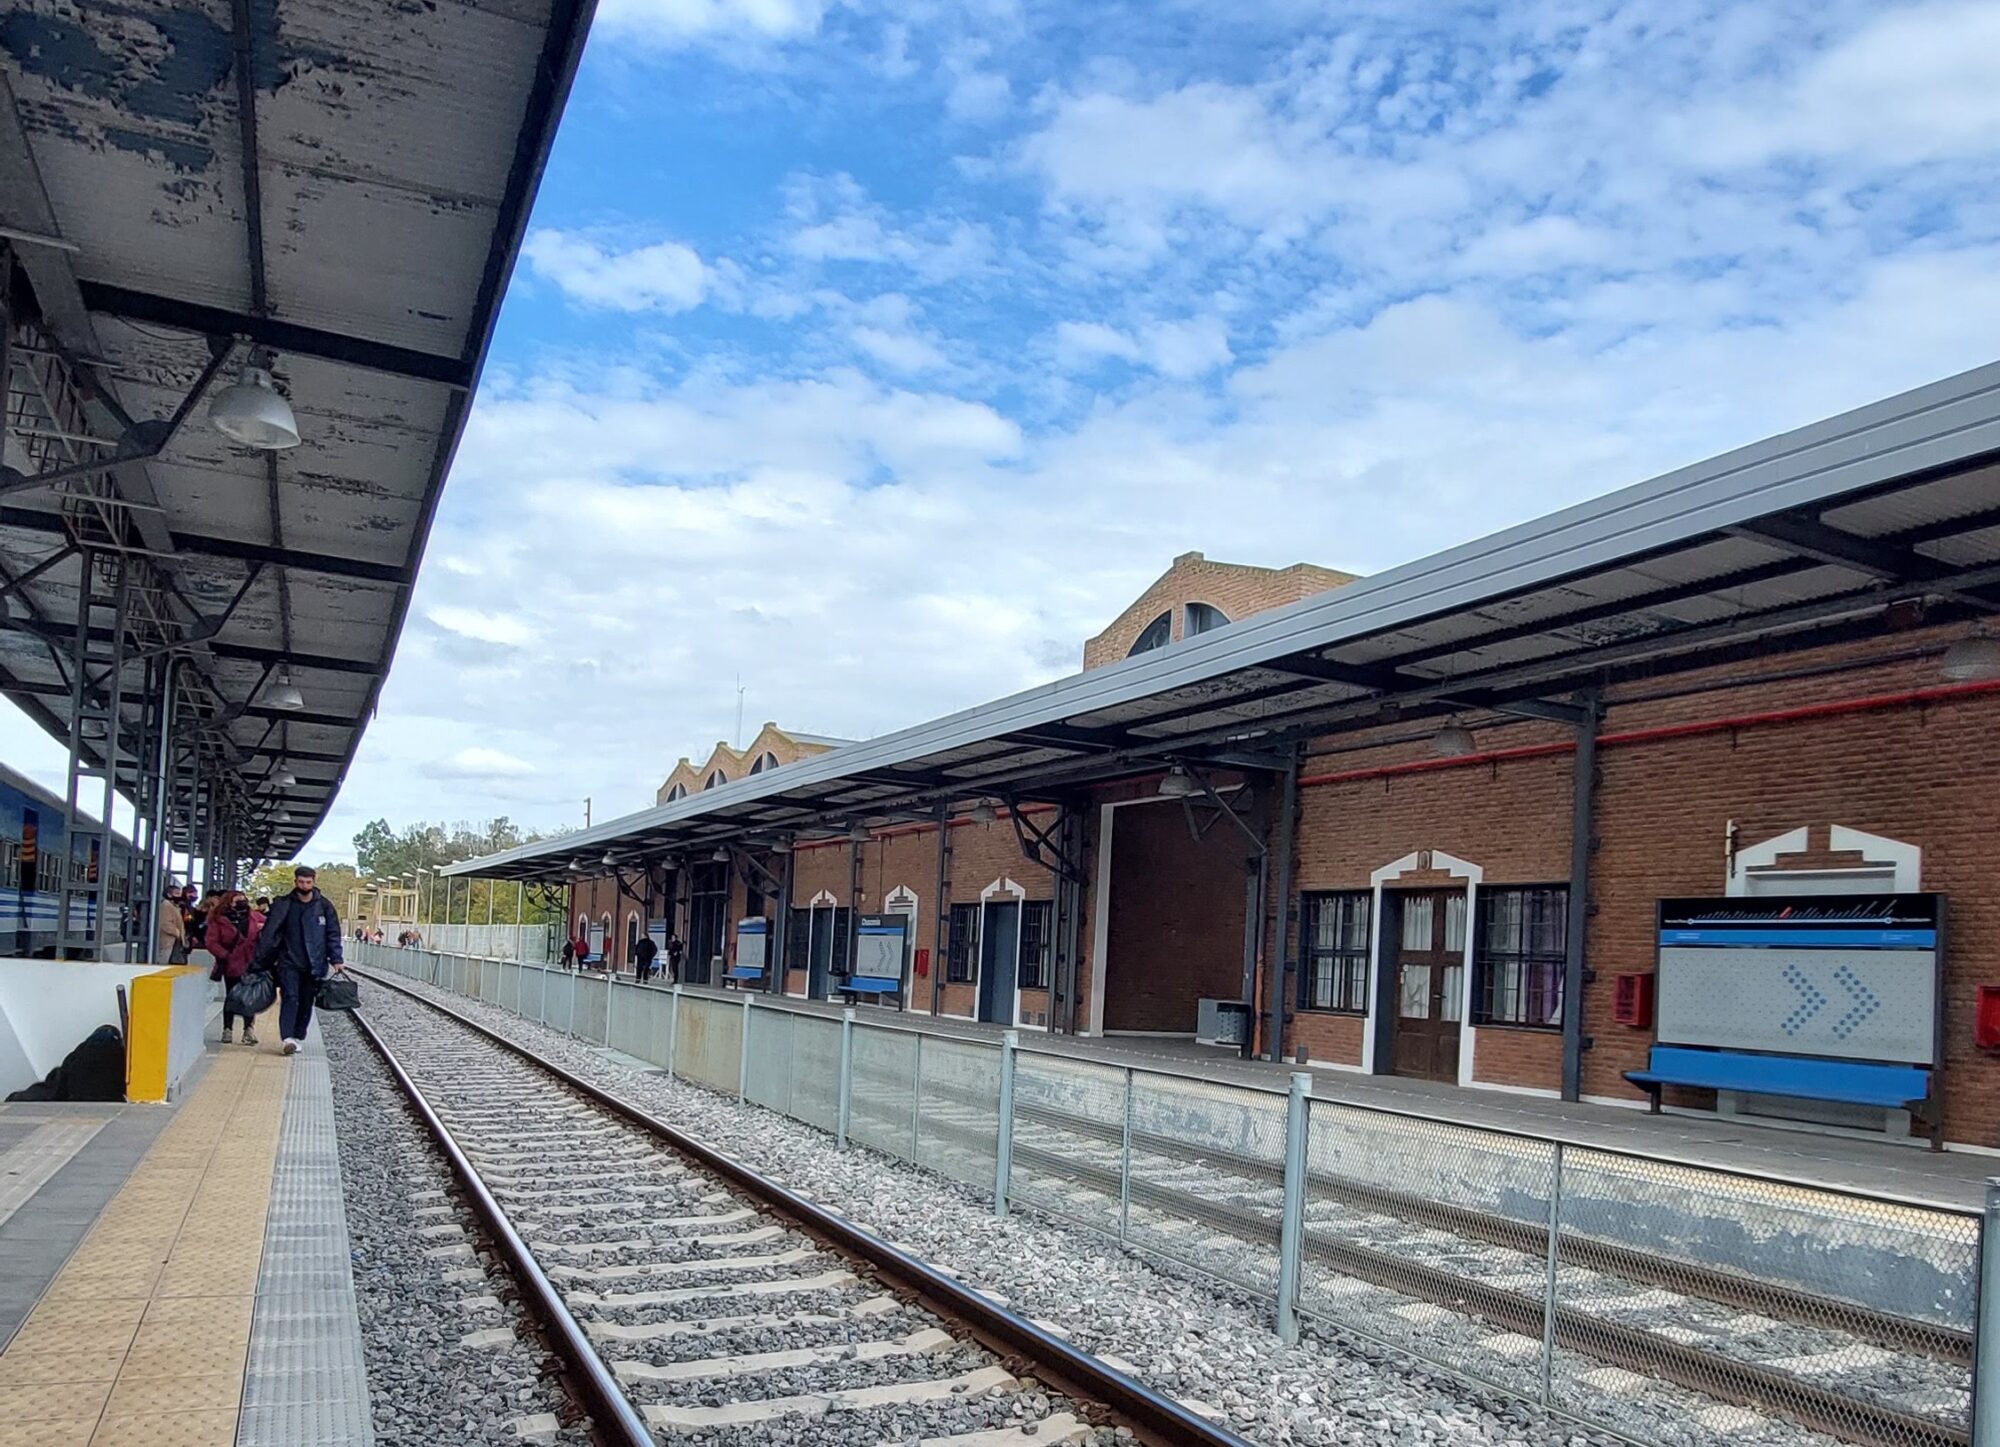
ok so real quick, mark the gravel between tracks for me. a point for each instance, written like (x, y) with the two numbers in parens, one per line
(1189, 1339)
(426, 1386)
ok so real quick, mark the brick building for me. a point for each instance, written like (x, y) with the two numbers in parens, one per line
(1439, 822)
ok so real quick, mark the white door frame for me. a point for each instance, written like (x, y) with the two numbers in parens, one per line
(1886, 863)
(903, 900)
(1423, 860)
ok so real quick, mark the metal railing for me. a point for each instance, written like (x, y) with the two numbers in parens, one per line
(1654, 1299)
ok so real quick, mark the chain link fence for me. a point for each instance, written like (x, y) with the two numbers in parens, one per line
(1666, 1302)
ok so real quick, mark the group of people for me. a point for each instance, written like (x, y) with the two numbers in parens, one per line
(646, 956)
(297, 938)
(363, 935)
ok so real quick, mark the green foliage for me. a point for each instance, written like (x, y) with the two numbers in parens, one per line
(388, 855)
(336, 881)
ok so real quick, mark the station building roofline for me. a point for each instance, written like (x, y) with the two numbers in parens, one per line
(1794, 541)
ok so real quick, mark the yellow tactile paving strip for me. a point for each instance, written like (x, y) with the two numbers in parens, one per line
(140, 1339)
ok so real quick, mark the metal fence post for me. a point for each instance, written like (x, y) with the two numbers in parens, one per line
(610, 979)
(846, 1074)
(1125, 1160)
(569, 1025)
(1986, 1337)
(1292, 1224)
(542, 1003)
(1549, 1280)
(1003, 1145)
(743, 1050)
(673, 1026)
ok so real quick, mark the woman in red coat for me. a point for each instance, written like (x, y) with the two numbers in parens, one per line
(231, 937)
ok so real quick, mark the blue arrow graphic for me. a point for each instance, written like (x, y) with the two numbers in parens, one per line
(1865, 1002)
(1811, 999)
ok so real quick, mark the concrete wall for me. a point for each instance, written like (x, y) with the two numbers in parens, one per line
(47, 1007)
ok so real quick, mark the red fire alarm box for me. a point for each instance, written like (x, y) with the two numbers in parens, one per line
(923, 963)
(1986, 1019)
(1632, 1001)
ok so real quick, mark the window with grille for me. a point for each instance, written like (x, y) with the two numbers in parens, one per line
(962, 943)
(1333, 951)
(1520, 954)
(1038, 920)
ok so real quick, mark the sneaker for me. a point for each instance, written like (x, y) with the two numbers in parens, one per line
(291, 1047)
(249, 1036)
(226, 1035)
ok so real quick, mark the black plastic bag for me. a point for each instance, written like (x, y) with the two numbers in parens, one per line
(252, 995)
(338, 992)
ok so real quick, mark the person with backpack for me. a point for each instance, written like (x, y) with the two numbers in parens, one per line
(645, 956)
(232, 938)
(569, 952)
(301, 941)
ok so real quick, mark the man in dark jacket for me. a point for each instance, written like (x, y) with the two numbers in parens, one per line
(302, 939)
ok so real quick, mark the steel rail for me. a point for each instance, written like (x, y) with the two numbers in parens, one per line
(1152, 1417)
(618, 1422)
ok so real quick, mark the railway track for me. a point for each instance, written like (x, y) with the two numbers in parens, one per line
(688, 1295)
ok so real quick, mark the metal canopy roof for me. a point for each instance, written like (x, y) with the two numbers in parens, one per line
(1801, 539)
(342, 189)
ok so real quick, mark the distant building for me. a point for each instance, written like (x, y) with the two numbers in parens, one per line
(772, 748)
(1195, 595)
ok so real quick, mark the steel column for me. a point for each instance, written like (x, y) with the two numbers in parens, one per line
(781, 945)
(941, 926)
(1292, 1217)
(1283, 965)
(1582, 815)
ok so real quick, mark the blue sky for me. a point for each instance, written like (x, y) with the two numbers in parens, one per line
(879, 353)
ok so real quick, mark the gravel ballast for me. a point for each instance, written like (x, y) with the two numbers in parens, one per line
(426, 1385)
(1191, 1339)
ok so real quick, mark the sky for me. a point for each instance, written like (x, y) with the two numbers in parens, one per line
(870, 356)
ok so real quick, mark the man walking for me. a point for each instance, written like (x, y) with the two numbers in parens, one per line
(302, 936)
(643, 955)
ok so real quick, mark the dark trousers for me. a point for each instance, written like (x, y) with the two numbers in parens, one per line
(295, 1002)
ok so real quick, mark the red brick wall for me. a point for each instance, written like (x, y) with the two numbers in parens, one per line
(1176, 922)
(1238, 589)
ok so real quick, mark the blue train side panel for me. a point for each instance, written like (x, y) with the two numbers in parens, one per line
(36, 852)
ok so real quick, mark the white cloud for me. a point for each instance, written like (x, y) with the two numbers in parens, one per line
(480, 763)
(1177, 349)
(681, 22)
(832, 219)
(507, 630)
(664, 276)
(1921, 83)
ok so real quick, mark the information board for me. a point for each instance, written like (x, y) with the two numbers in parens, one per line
(753, 940)
(1852, 977)
(879, 945)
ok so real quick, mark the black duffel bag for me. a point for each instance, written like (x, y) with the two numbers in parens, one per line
(338, 992)
(252, 995)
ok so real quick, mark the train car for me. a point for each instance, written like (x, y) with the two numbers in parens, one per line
(37, 853)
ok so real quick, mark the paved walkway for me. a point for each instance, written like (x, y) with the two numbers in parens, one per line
(186, 1275)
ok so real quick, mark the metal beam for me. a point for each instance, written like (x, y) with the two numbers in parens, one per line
(37, 520)
(279, 336)
(1810, 538)
(1327, 670)
(1583, 790)
(1074, 737)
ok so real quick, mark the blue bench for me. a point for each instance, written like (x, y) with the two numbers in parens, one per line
(854, 987)
(744, 974)
(1849, 1082)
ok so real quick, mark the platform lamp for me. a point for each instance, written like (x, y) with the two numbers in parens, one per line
(252, 412)
(1973, 658)
(1454, 740)
(1178, 784)
(282, 693)
(721, 855)
(983, 812)
(859, 832)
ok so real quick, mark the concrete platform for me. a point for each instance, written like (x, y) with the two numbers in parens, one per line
(178, 1274)
(1953, 1178)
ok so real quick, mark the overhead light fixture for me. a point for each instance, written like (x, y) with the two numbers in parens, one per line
(1177, 784)
(1973, 658)
(983, 813)
(282, 693)
(609, 861)
(1453, 741)
(859, 832)
(252, 412)
(576, 866)
(285, 778)
(781, 846)
(721, 855)
(283, 816)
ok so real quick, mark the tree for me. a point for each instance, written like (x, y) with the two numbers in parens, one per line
(336, 881)
(386, 853)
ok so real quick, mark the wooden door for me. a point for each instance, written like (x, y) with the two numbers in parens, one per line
(1427, 984)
